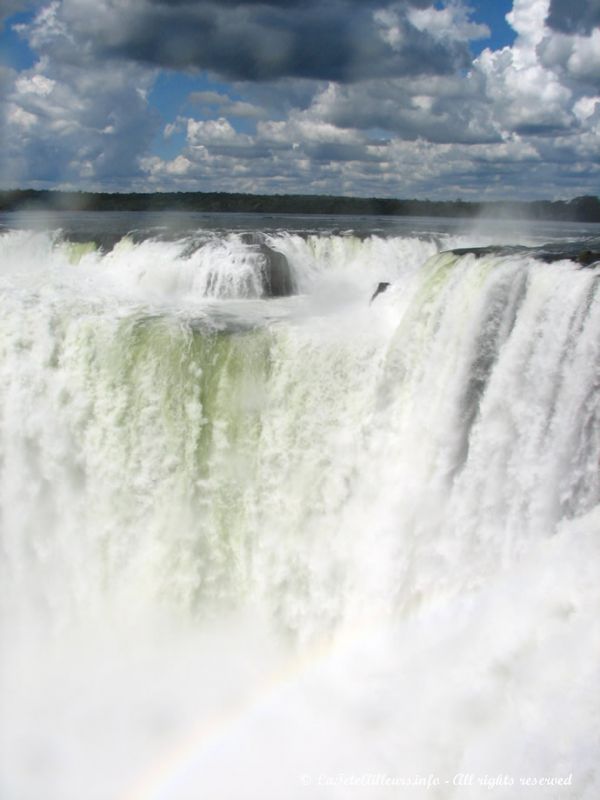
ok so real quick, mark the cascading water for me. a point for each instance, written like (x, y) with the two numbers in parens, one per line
(300, 545)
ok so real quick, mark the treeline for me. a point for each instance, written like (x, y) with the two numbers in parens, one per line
(580, 209)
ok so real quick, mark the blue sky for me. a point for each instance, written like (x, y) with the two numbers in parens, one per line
(405, 98)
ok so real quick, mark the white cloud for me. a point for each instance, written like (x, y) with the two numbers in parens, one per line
(72, 120)
(34, 84)
(20, 118)
(226, 106)
(10, 7)
(573, 57)
(521, 120)
(585, 107)
(527, 18)
(526, 96)
(450, 22)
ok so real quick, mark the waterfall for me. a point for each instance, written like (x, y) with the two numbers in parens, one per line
(371, 526)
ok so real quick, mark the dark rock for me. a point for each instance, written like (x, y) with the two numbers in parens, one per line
(104, 241)
(279, 279)
(586, 258)
(381, 287)
(547, 253)
(491, 250)
(251, 237)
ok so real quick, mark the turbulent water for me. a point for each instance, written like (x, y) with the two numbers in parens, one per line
(262, 538)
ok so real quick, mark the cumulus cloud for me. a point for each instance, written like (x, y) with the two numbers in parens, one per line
(68, 130)
(209, 101)
(574, 16)
(341, 40)
(11, 7)
(75, 120)
(350, 96)
(441, 110)
(575, 58)
(522, 119)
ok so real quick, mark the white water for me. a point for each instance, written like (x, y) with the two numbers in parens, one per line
(334, 544)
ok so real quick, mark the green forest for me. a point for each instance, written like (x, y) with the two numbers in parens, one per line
(579, 209)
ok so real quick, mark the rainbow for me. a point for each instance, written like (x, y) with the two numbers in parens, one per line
(160, 781)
